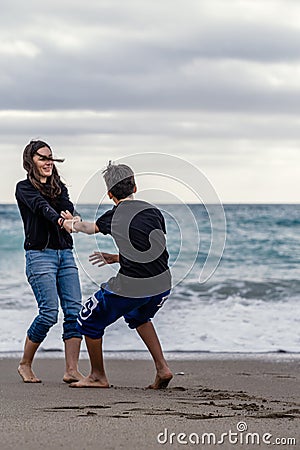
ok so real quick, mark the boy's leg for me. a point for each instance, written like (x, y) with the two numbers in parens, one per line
(97, 377)
(95, 315)
(150, 338)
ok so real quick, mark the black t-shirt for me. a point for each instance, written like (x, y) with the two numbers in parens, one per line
(138, 229)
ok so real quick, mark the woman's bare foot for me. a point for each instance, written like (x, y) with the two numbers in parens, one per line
(72, 376)
(91, 382)
(27, 375)
(162, 380)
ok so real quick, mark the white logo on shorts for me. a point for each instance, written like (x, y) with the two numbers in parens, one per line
(163, 301)
(88, 307)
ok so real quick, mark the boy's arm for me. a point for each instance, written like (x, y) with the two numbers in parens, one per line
(84, 227)
(102, 258)
(75, 224)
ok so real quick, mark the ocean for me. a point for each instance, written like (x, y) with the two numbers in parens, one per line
(250, 301)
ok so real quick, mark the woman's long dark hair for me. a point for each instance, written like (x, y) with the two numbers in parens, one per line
(52, 188)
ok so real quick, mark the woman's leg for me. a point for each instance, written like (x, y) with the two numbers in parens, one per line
(72, 350)
(69, 292)
(41, 268)
(24, 368)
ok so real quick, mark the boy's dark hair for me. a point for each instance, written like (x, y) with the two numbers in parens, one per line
(119, 180)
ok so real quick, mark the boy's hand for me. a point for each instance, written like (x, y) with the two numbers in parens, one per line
(103, 258)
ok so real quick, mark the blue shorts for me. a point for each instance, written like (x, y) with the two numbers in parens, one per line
(105, 307)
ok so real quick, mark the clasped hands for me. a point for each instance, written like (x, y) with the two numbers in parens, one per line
(69, 221)
(100, 258)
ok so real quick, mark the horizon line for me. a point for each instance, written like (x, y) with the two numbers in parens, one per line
(187, 203)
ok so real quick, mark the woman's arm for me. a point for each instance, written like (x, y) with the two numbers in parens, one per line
(33, 199)
(65, 202)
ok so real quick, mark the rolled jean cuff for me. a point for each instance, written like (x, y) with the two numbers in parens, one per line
(70, 331)
(34, 339)
(71, 334)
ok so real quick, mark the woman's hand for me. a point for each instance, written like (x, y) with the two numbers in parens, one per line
(102, 258)
(68, 216)
(69, 221)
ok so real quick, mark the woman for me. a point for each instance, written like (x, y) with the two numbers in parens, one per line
(50, 266)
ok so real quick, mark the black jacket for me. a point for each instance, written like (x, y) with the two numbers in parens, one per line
(40, 214)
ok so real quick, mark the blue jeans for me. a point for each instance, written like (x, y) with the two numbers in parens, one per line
(53, 276)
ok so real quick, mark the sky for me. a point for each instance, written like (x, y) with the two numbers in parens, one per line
(214, 84)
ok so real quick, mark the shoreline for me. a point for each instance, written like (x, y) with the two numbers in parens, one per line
(205, 396)
(200, 355)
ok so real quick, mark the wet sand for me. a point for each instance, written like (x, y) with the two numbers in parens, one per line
(205, 396)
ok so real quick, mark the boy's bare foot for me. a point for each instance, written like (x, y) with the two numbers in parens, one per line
(162, 380)
(72, 377)
(91, 382)
(27, 375)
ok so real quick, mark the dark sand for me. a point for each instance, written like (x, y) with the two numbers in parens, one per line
(212, 395)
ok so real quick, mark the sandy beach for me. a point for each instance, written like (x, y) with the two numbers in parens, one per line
(248, 399)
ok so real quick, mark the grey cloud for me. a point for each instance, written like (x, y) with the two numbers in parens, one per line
(257, 42)
(189, 126)
(62, 89)
(214, 81)
(117, 65)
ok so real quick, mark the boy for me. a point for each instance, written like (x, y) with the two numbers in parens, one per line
(142, 284)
